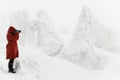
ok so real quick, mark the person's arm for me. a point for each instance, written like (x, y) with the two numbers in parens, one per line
(15, 31)
(11, 37)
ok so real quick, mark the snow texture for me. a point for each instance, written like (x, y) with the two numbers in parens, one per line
(86, 36)
(38, 31)
(93, 32)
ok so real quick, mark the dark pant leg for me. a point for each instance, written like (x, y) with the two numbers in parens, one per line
(10, 64)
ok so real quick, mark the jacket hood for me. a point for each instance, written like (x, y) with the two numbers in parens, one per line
(11, 29)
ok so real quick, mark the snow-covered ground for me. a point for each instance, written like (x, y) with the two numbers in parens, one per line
(35, 65)
(61, 42)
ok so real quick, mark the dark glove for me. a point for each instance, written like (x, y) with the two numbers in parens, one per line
(15, 31)
(18, 31)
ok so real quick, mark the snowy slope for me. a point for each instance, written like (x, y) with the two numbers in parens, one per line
(39, 30)
(35, 65)
(34, 62)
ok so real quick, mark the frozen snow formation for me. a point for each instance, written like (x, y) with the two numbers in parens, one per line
(86, 36)
(94, 33)
(91, 30)
(39, 31)
(20, 21)
(47, 38)
(81, 53)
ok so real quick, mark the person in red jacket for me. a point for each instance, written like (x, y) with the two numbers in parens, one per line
(12, 47)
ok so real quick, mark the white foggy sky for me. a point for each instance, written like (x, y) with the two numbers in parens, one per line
(65, 13)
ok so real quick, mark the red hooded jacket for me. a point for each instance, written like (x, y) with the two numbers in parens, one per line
(12, 47)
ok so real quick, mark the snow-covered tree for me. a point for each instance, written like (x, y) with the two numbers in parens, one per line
(37, 31)
(20, 20)
(80, 50)
(47, 38)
